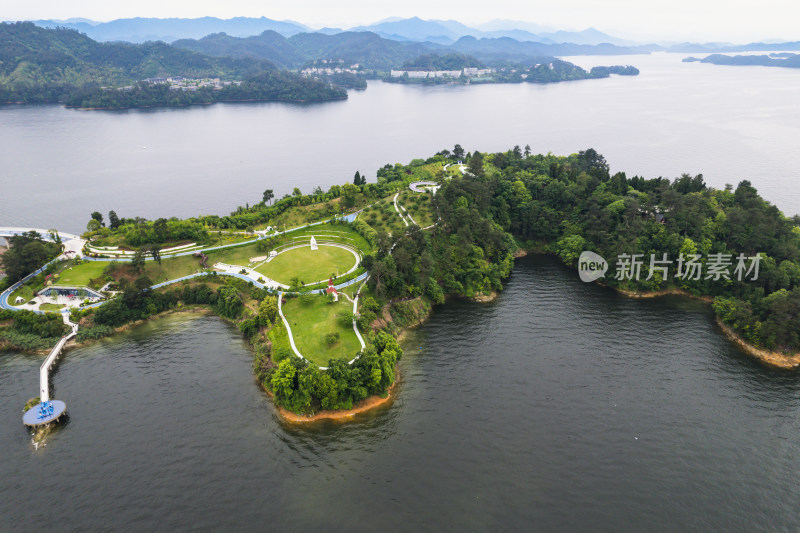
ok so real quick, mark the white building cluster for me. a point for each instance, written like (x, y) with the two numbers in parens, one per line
(470, 72)
(179, 83)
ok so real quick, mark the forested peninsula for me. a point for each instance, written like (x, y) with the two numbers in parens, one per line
(432, 69)
(457, 236)
(780, 59)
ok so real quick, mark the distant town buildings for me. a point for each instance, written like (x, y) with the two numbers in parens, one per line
(470, 72)
(179, 83)
(330, 66)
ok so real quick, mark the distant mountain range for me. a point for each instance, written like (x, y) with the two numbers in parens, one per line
(449, 31)
(372, 51)
(139, 30)
(411, 29)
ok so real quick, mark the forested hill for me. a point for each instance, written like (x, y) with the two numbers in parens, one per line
(364, 48)
(773, 60)
(445, 62)
(38, 64)
(377, 53)
(566, 205)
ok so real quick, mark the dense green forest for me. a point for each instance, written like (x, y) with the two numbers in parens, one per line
(26, 253)
(442, 62)
(266, 86)
(565, 205)
(545, 70)
(373, 52)
(346, 80)
(365, 48)
(41, 65)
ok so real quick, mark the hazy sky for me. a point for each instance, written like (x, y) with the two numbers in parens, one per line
(733, 20)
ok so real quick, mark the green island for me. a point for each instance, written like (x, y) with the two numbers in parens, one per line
(323, 284)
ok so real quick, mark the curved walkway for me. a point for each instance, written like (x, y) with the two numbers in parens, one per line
(355, 328)
(422, 186)
(347, 247)
(396, 208)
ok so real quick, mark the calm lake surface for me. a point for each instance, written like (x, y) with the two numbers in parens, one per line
(559, 407)
(729, 123)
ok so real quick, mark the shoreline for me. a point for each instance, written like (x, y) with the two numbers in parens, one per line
(655, 294)
(772, 359)
(367, 404)
(195, 309)
(309, 101)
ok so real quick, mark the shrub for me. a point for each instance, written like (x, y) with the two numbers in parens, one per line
(332, 338)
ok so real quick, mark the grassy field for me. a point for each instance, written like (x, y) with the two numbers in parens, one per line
(383, 217)
(307, 264)
(26, 291)
(81, 275)
(310, 324)
(454, 170)
(331, 232)
(304, 214)
(51, 307)
(173, 268)
(280, 341)
(238, 255)
(223, 237)
(418, 205)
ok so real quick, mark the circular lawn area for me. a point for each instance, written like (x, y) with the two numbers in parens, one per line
(309, 265)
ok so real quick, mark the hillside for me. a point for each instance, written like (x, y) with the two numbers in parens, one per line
(374, 52)
(365, 48)
(38, 64)
(445, 62)
(269, 45)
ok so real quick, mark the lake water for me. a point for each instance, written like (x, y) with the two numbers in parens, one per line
(560, 407)
(730, 123)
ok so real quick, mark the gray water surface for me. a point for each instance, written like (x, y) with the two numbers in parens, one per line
(58, 165)
(561, 406)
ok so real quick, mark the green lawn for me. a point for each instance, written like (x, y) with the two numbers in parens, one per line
(310, 324)
(224, 237)
(80, 275)
(237, 255)
(173, 268)
(307, 264)
(51, 307)
(331, 232)
(26, 291)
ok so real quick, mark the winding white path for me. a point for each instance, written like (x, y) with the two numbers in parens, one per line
(396, 208)
(355, 328)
